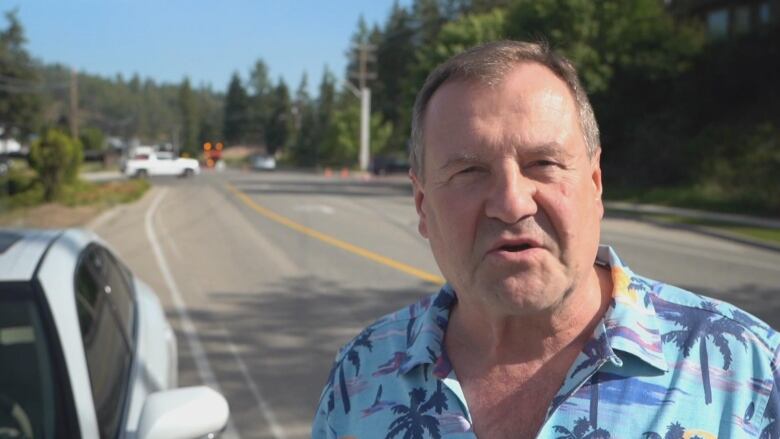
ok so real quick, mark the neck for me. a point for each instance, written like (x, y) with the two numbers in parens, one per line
(496, 339)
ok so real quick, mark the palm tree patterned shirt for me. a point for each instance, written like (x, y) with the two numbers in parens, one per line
(662, 363)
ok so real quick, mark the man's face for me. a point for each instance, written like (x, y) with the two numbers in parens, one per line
(509, 200)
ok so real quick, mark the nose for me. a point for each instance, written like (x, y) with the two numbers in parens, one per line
(511, 195)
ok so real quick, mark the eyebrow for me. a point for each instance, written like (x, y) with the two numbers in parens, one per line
(460, 159)
(553, 149)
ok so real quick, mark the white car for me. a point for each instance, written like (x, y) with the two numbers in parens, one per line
(263, 163)
(85, 348)
(145, 161)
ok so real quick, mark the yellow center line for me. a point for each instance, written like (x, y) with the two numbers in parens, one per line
(360, 251)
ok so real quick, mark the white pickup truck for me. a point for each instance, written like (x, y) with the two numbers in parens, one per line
(145, 161)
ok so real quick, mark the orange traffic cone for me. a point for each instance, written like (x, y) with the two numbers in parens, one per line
(344, 172)
(328, 173)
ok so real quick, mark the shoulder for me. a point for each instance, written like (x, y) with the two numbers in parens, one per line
(682, 308)
(389, 337)
(366, 374)
(387, 331)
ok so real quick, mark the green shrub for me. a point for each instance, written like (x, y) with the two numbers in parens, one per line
(56, 158)
(92, 139)
(744, 163)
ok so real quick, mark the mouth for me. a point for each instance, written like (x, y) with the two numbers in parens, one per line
(514, 245)
(513, 248)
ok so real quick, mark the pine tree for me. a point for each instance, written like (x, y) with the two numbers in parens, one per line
(236, 112)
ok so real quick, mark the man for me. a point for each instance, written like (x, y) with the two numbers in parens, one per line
(539, 332)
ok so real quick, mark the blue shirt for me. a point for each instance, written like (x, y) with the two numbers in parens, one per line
(662, 363)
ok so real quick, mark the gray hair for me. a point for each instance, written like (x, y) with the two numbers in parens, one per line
(489, 64)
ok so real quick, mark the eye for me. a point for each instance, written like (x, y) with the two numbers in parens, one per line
(544, 163)
(468, 170)
(466, 173)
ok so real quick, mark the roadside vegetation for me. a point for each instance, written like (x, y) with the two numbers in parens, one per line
(687, 118)
(23, 204)
(49, 193)
(714, 198)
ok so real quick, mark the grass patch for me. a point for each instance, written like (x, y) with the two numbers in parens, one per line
(22, 204)
(109, 193)
(97, 167)
(772, 235)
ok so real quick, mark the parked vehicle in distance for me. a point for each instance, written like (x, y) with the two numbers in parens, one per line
(145, 161)
(86, 349)
(382, 165)
(263, 162)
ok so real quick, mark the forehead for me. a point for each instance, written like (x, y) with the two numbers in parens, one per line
(531, 106)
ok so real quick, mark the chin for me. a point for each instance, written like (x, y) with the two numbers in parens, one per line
(525, 296)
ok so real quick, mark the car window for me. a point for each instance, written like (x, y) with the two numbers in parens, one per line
(86, 298)
(106, 344)
(28, 394)
(121, 293)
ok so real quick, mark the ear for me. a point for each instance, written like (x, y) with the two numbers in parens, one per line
(419, 199)
(596, 180)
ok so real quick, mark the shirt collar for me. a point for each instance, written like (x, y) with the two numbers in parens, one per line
(425, 331)
(630, 322)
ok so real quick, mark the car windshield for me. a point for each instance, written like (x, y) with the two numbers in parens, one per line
(27, 391)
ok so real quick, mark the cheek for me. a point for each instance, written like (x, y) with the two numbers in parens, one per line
(452, 217)
(565, 213)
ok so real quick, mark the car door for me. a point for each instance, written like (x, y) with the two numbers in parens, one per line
(35, 397)
(166, 164)
(106, 312)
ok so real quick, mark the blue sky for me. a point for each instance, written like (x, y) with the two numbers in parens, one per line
(205, 40)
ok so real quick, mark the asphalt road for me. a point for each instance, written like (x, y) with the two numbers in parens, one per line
(264, 276)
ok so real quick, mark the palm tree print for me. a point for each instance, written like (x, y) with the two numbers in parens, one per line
(582, 430)
(699, 326)
(414, 419)
(596, 351)
(673, 431)
(639, 284)
(444, 300)
(772, 429)
(363, 340)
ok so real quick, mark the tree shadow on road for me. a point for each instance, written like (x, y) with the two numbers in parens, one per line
(287, 336)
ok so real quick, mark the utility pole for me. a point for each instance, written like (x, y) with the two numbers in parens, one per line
(365, 55)
(73, 117)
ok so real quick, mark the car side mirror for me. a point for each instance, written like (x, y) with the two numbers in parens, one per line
(186, 413)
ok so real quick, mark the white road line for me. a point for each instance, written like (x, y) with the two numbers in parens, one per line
(315, 208)
(168, 237)
(265, 408)
(198, 353)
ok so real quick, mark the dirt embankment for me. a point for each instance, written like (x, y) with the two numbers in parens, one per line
(50, 216)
